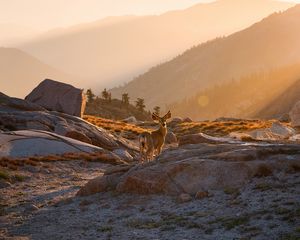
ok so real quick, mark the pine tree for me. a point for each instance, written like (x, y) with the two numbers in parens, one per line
(90, 95)
(105, 94)
(125, 98)
(140, 104)
(156, 110)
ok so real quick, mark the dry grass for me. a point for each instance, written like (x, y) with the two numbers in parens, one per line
(10, 176)
(213, 128)
(115, 126)
(216, 128)
(15, 163)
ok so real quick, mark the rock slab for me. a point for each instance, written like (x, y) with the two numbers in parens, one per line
(197, 169)
(28, 143)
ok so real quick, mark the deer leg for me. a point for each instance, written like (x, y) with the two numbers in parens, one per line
(159, 151)
(150, 154)
(141, 154)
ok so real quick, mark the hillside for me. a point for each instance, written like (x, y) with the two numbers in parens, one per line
(109, 52)
(246, 97)
(266, 45)
(20, 72)
(281, 104)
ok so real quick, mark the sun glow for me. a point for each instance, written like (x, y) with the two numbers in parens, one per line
(203, 101)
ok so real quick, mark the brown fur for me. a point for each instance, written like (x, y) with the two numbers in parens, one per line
(153, 142)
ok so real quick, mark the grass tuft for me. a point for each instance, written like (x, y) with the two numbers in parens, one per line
(4, 175)
(231, 191)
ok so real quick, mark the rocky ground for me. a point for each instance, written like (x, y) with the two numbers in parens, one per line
(223, 179)
(41, 204)
(31, 189)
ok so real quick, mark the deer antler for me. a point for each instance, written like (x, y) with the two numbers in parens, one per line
(167, 116)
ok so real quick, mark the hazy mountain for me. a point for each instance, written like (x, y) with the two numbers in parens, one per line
(247, 97)
(20, 72)
(282, 104)
(11, 34)
(271, 43)
(114, 50)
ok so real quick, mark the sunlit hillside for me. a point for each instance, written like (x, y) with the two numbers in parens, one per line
(269, 44)
(110, 52)
(282, 103)
(21, 72)
(243, 98)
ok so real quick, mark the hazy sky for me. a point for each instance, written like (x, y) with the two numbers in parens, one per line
(47, 14)
(55, 13)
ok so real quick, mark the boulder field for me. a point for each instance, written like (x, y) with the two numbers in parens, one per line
(198, 164)
(19, 115)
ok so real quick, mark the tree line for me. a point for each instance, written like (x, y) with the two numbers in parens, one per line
(139, 102)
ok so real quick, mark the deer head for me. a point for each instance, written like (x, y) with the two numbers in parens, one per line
(161, 120)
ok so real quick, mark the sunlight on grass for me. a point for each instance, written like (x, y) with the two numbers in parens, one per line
(216, 128)
(36, 161)
(115, 126)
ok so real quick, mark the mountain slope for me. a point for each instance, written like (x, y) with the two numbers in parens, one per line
(282, 104)
(109, 52)
(20, 72)
(247, 97)
(271, 43)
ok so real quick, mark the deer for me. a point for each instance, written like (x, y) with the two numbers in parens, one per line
(150, 142)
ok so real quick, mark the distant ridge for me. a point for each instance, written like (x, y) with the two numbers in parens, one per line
(112, 51)
(20, 72)
(271, 43)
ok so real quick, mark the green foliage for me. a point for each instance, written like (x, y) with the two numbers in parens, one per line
(4, 175)
(19, 178)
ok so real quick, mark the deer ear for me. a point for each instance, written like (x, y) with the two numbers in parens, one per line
(168, 115)
(155, 117)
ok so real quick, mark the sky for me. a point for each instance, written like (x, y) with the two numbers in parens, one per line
(43, 15)
(47, 14)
